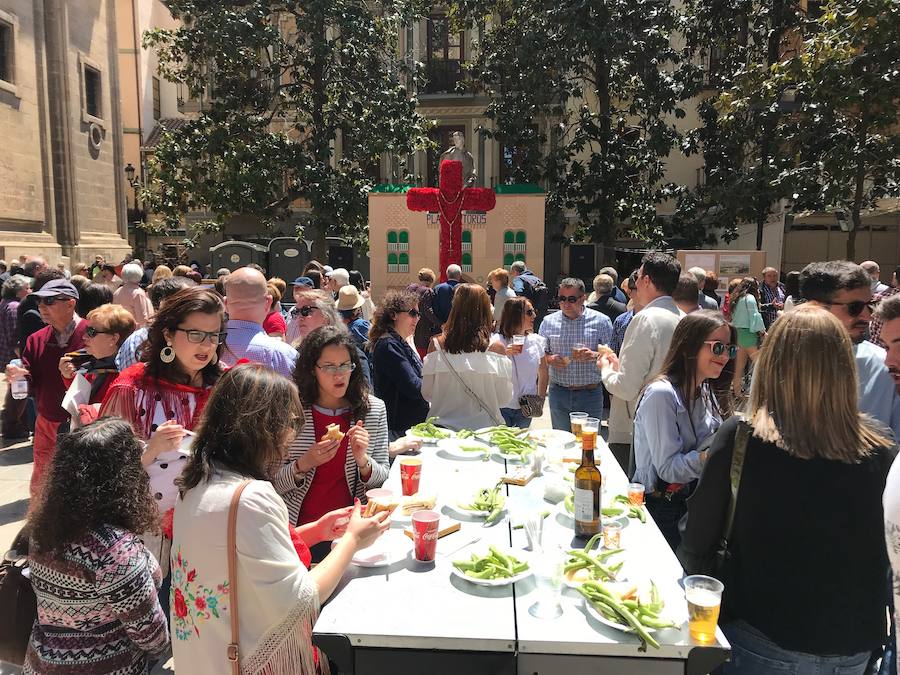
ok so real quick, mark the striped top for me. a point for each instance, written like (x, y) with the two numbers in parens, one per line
(97, 606)
(293, 491)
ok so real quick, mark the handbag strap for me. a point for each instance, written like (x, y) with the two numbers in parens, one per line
(481, 403)
(741, 438)
(233, 654)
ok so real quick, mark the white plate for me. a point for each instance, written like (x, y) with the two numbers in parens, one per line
(519, 555)
(452, 447)
(391, 547)
(549, 436)
(612, 624)
(428, 440)
(401, 517)
(456, 508)
(561, 509)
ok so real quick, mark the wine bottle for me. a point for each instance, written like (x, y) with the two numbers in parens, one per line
(588, 483)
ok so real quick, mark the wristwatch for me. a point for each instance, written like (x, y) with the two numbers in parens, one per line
(368, 464)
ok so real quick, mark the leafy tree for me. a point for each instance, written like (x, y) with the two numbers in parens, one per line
(605, 78)
(284, 81)
(842, 133)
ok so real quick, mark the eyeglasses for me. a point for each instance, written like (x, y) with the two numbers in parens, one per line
(306, 310)
(570, 298)
(92, 332)
(718, 348)
(198, 336)
(530, 312)
(414, 313)
(347, 367)
(52, 300)
(856, 307)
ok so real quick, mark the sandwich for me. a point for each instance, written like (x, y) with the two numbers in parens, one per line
(605, 350)
(418, 502)
(378, 504)
(332, 433)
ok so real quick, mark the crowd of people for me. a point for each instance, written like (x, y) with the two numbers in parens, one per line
(166, 409)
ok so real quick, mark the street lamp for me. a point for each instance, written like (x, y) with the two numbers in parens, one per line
(137, 214)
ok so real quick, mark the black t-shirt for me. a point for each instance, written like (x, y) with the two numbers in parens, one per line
(809, 564)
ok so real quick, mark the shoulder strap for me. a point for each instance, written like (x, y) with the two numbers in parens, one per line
(481, 403)
(233, 654)
(741, 438)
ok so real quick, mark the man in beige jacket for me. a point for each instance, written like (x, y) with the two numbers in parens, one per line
(643, 349)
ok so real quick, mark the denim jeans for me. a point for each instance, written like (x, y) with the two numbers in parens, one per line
(667, 514)
(564, 401)
(752, 653)
(514, 418)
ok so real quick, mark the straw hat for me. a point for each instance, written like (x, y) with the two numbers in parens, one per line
(348, 298)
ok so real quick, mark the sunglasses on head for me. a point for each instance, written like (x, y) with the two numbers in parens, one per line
(856, 307)
(306, 310)
(92, 332)
(569, 298)
(718, 348)
(52, 300)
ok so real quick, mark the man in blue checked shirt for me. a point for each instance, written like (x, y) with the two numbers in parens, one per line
(575, 384)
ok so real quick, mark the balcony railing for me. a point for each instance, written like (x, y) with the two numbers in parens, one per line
(443, 76)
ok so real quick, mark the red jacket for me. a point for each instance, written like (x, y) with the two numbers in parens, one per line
(41, 357)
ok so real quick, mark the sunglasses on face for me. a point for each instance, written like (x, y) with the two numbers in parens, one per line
(199, 336)
(569, 298)
(856, 307)
(306, 310)
(49, 302)
(718, 348)
(347, 367)
(92, 332)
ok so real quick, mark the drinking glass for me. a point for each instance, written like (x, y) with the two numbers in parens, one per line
(548, 576)
(704, 597)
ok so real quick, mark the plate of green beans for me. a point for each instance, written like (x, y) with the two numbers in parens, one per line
(498, 566)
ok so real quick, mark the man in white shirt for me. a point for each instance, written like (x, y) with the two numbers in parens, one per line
(247, 301)
(644, 348)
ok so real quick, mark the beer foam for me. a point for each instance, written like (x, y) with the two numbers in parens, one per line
(702, 597)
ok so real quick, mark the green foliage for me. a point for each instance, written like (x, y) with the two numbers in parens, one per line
(604, 77)
(282, 82)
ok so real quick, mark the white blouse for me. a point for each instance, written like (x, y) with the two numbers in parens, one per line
(525, 366)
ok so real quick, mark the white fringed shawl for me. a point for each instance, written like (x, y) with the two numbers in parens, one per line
(279, 601)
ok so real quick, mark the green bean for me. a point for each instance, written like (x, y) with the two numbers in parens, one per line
(637, 512)
(593, 540)
(611, 512)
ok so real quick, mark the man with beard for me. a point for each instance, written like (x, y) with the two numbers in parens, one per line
(845, 290)
(889, 313)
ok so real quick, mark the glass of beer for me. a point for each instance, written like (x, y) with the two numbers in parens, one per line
(589, 428)
(576, 419)
(636, 494)
(704, 596)
(519, 343)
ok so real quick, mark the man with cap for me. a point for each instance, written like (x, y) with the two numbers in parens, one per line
(349, 306)
(302, 290)
(63, 333)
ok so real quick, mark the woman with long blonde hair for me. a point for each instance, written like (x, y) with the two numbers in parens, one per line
(465, 378)
(805, 571)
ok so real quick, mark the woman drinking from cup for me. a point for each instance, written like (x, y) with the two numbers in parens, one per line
(465, 381)
(342, 450)
(806, 565)
(397, 366)
(239, 438)
(163, 396)
(678, 411)
(526, 350)
(108, 326)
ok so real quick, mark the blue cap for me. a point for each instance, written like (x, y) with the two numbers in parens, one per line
(303, 281)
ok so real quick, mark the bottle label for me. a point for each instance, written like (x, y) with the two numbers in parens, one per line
(584, 505)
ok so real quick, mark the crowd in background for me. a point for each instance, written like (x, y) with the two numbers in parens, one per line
(154, 394)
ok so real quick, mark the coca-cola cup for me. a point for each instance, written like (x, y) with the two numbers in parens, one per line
(425, 526)
(410, 473)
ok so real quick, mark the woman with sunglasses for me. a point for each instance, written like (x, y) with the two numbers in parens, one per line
(531, 374)
(319, 475)
(107, 328)
(163, 395)
(678, 411)
(745, 316)
(397, 366)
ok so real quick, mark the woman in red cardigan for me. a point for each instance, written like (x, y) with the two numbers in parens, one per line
(107, 328)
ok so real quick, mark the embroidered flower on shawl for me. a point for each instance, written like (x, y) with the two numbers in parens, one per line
(193, 603)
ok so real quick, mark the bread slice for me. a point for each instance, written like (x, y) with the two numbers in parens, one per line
(332, 433)
(379, 504)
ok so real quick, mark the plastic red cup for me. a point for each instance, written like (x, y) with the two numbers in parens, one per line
(410, 473)
(425, 526)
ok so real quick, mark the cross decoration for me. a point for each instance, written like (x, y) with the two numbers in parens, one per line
(450, 199)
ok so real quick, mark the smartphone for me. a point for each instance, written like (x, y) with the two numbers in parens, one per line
(368, 285)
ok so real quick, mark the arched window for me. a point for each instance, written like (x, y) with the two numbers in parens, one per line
(520, 237)
(392, 240)
(509, 242)
(520, 256)
(404, 263)
(466, 262)
(403, 241)
(467, 240)
(508, 259)
(392, 262)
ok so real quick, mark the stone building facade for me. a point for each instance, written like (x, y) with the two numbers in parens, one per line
(62, 189)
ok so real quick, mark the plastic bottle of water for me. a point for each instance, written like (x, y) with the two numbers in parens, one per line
(19, 387)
